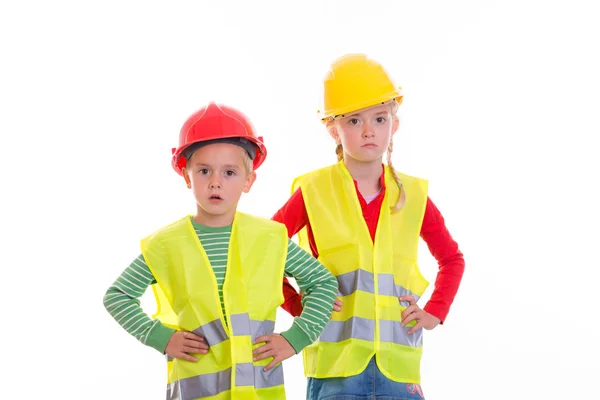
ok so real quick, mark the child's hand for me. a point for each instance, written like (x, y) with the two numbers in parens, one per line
(182, 344)
(337, 305)
(276, 346)
(413, 312)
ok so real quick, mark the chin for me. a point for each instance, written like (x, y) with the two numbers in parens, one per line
(367, 159)
(216, 211)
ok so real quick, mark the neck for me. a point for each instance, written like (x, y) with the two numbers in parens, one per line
(366, 174)
(212, 220)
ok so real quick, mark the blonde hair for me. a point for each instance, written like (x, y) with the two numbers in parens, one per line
(248, 163)
(339, 151)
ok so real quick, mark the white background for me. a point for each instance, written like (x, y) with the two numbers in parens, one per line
(500, 113)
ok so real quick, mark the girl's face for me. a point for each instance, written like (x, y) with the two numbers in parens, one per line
(365, 134)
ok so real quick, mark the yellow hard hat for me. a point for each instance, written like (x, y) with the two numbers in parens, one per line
(355, 82)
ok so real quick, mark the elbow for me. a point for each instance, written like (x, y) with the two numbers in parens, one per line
(108, 296)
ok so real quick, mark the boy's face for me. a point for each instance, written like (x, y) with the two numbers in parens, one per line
(365, 134)
(218, 176)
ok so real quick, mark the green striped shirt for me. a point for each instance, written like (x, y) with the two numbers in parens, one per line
(319, 288)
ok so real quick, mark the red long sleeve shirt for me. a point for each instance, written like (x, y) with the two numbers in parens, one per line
(433, 231)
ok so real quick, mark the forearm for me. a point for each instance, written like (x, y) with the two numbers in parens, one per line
(292, 299)
(319, 289)
(446, 286)
(122, 301)
(450, 261)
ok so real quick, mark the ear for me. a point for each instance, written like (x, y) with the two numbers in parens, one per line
(249, 181)
(395, 124)
(333, 132)
(186, 176)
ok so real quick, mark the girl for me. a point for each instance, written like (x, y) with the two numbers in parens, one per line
(363, 220)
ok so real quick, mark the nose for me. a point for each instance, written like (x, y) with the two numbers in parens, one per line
(368, 131)
(214, 182)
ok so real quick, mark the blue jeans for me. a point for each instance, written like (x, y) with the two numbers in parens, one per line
(369, 384)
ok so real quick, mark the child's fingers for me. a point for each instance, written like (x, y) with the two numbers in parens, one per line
(193, 336)
(263, 339)
(186, 357)
(410, 317)
(415, 328)
(410, 310)
(261, 349)
(196, 345)
(337, 305)
(187, 349)
(410, 299)
(271, 364)
(266, 354)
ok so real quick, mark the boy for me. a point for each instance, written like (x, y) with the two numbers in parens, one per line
(217, 275)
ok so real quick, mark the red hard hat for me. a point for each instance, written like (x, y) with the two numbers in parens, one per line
(216, 121)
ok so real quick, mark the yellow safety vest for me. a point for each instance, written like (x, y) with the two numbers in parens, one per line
(370, 275)
(187, 299)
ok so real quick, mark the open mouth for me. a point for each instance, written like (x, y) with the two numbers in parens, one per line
(215, 197)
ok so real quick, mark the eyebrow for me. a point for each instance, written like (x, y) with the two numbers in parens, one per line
(359, 114)
(201, 164)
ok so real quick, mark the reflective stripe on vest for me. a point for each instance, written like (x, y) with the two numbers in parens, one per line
(371, 275)
(206, 385)
(363, 280)
(241, 324)
(361, 328)
(187, 299)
